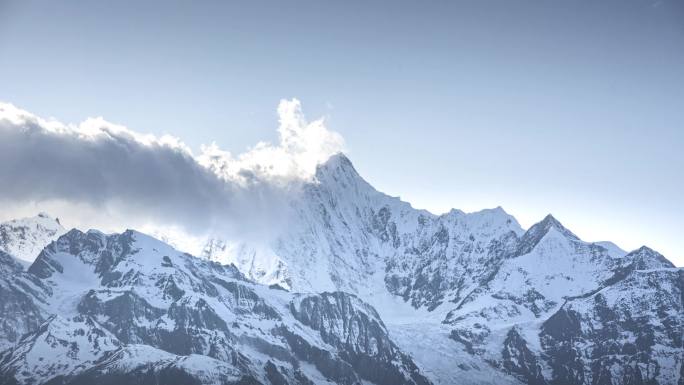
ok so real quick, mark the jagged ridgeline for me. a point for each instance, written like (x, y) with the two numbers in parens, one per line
(360, 289)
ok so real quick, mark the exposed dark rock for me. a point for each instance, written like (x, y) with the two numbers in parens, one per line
(519, 360)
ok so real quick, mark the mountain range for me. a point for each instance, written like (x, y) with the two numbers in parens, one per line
(358, 288)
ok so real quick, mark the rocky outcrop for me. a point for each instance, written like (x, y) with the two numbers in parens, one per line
(519, 360)
(22, 298)
(355, 329)
(616, 337)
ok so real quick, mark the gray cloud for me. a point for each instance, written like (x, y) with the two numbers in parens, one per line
(158, 180)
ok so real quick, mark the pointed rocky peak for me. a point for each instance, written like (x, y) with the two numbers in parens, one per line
(338, 186)
(645, 258)
(338, 172)
(85, 246)
(550, 222)
(535, 234)
(336, 163)
(76, 239)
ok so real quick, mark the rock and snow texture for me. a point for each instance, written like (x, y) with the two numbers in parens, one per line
(358, 288)
(21, 297)
(123, 307)
(25, 238)
(59, 347)
(476, 285)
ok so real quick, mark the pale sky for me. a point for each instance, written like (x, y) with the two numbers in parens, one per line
(574, 108)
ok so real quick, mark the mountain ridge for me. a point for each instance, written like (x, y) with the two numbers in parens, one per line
(477, 272)
(360, 287)
(120, 291)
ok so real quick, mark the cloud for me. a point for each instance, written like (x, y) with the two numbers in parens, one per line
(120, 174)
(302, 146)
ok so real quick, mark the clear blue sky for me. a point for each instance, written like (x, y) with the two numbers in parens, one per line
(569, 107)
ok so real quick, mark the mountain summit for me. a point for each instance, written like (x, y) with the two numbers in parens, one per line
(25, 238)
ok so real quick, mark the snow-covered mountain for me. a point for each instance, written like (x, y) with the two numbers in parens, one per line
(459, 290)
(127, 308)
(358, 288)
(25, 238)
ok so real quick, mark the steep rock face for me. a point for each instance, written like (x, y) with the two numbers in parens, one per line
(347, 236)
(549, 265)
(126, 307)
(519, 360)
(22, 299)
(627, 333)
(452, 256)
(356, 330)
(88, 250)
(25, 238)
(541, 291)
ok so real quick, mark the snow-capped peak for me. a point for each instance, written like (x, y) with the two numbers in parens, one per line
(486, 219)
(338, 174)
(535, 233)
(645, 258)
(550, 222)
(25, 238)
(336, 163)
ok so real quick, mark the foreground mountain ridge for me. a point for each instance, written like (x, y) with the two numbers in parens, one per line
(127, 308)
(454, 298)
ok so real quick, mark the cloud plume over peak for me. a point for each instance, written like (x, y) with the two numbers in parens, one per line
(111, 174)
(302, 146)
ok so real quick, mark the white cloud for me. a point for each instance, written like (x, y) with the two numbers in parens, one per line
(302, 145)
